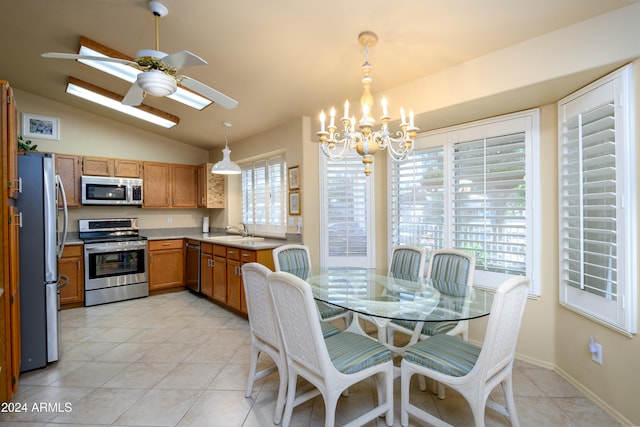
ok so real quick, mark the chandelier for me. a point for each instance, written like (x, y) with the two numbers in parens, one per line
(365, 140)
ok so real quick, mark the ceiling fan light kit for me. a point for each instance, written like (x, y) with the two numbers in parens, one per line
(157, 72)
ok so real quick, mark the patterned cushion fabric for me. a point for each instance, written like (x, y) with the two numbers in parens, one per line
(405, 262)
(351, 352)
(429, 328)
(328, 330)
(328, 311)
(292, 260)
(450, 267)
(444, 353)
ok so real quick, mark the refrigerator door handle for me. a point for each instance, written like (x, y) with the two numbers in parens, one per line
(65, 216)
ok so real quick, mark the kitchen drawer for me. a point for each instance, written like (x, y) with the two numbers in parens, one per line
(233, 253)
(73, 251)
(206, 248)
(158, 245)
(247, 256)
(220, 251)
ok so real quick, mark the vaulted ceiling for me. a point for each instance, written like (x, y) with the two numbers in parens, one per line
(279, 59)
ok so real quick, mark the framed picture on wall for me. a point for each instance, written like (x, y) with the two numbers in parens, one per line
(37, 126)
(294, 203)
(294, 177)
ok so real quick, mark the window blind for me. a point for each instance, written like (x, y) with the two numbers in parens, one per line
(417, 199)
(263, 195)
(489, 202)
(347, 213)
(588, 210)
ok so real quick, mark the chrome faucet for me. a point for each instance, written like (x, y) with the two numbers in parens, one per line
(242, 230)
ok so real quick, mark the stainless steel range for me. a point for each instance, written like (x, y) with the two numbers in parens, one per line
(115, 260)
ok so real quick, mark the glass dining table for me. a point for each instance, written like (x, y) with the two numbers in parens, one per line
(380, 296)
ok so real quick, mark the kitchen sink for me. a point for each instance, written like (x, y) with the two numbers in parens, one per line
(235, 239)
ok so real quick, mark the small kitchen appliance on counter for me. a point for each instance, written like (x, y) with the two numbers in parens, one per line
(115, 260)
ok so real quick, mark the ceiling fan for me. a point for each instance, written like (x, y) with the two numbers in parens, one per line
(159, 76)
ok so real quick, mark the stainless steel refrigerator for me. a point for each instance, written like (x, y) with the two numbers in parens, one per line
(42, 237)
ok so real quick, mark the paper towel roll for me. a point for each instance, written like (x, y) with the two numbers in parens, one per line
(205, 224)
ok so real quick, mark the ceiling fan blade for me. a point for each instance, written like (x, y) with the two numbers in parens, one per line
(182, 59)
(134, 96)
(208, 92)
(57, 55)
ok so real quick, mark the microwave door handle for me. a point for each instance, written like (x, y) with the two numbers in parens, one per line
(65, 216)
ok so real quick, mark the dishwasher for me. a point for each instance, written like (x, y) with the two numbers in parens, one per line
(192, 270)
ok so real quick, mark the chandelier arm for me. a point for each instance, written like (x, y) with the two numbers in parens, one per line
(399, 148)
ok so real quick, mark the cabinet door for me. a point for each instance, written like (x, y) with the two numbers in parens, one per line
(166, 264)
(201, 186)
(184, 186)
(71, 264)
(97, 166)
(126, 168)
(156, 185)
(234, 284)
(12, 142)
(70, 169)
(210, 187)
(220, 279)
(206, 274)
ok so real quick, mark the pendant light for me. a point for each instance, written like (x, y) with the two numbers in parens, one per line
(226, 166)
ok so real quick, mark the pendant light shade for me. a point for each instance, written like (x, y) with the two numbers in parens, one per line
(226, 166)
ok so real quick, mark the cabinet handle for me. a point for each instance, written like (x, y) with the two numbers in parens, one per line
(19, 182)
(245, 255)
(19, 216)
(166, 244)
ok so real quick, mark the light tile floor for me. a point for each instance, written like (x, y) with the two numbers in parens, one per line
(179, 360)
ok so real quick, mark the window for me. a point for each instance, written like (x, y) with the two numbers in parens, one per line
(473, 187)
(347, 215)
(263, 196)
(598, 254)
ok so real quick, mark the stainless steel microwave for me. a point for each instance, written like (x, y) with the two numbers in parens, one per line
(104, 190)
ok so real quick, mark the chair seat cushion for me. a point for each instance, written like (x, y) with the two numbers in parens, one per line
(328, 329)
(328, 311)
(444, 353)
(429, 328)
(352, 353)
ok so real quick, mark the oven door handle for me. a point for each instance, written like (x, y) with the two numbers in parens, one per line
(93, 248)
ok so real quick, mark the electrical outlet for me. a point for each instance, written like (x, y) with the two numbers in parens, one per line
(169, 219)
(596, 355)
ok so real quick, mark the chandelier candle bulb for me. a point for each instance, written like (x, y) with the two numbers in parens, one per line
(365, 140)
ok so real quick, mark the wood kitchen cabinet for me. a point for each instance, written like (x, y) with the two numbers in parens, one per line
(206, 269)
(169, 185)
(70, 170)
(71, 264)
(183, 186)
(227, 276)
(211, 193)
(10, 351)
(103, 166)
(166, 264)
(220, 273)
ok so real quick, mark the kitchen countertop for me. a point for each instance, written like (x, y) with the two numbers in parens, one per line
(255, 245)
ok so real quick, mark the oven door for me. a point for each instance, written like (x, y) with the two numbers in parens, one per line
(115, 264)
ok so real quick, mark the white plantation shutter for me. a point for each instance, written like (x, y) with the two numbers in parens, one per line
(474, 187)
(489, 202)
(596, 200)
(347, 213)
(263, 196)
(418, 199)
